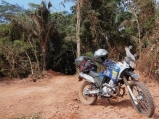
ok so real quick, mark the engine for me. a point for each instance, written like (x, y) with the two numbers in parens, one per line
(108, 89)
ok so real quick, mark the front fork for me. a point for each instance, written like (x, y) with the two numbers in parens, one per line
(130, 91)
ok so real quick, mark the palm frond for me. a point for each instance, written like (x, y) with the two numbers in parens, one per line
(125, 23)
(24, 24)
(50, 30)
(37, 20)
(49, 5)
(43, 12)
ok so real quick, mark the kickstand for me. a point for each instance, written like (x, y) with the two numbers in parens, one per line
(109, 101)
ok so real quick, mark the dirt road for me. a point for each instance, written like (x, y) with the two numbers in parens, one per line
(57, 98)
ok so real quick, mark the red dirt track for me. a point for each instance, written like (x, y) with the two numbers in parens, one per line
(56, 97)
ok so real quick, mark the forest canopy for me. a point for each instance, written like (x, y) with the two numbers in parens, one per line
(36, 39)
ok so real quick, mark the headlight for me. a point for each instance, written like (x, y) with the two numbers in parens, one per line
(132, 65)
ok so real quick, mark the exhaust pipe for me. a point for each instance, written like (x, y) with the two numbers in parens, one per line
(87, 77)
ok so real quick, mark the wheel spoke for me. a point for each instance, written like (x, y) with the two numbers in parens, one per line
(143, 105)
(143, 97)
(140, 98)
(85, 95)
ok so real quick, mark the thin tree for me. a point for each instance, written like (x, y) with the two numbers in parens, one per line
(78, 26)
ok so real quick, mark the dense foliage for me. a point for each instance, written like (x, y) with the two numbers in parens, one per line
(35, 39)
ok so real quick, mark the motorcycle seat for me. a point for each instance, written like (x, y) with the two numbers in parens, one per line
(94, 74)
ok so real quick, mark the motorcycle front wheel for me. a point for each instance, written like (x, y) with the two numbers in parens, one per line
(145, 104)
(87, 99)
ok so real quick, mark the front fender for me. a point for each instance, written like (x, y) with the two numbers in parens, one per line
(132, 74)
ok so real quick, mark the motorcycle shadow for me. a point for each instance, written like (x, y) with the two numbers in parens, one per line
(122, 103)
(114, 102)
(155, 116)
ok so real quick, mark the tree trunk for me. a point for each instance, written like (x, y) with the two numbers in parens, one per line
(78, 28)
(44, 58)
(31, 67)
(35, 54)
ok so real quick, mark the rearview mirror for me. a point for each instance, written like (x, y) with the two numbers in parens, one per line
(130, 47)
(136, 56)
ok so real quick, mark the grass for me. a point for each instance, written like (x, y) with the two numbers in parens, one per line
(31, 117)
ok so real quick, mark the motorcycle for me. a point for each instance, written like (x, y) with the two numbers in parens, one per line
(110, 84)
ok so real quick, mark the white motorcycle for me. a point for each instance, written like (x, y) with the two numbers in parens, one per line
(109, 83)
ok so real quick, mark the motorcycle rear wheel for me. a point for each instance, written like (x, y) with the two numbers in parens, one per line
(145, 101)
(87, 99)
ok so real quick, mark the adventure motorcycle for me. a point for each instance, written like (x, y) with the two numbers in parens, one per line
(109, 83)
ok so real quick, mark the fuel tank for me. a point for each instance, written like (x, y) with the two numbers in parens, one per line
(111, 71)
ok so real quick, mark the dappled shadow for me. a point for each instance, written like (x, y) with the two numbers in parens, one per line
(123, 103)
(102, 101)
(119, 103)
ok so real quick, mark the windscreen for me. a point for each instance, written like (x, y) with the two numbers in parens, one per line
(128, 54)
